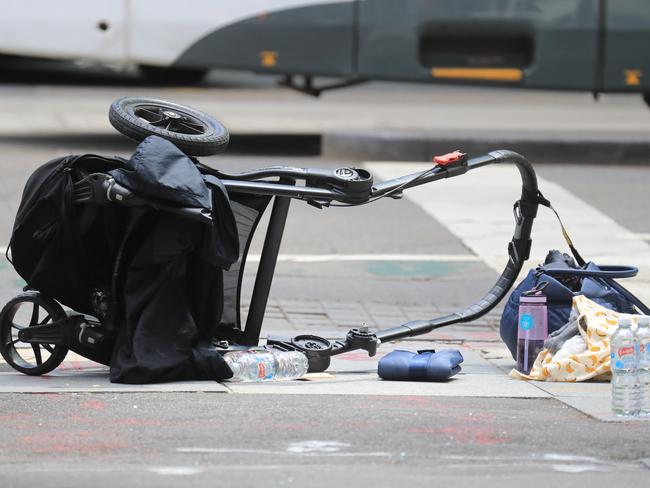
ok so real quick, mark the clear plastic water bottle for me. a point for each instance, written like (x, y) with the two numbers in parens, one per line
(266, 364)
(624, 360)
(532, 330)
(643, 369)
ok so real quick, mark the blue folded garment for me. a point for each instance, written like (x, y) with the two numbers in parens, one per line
(421, 366)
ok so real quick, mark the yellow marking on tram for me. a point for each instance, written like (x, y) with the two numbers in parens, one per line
(269, 58)
(487, 74)
(633, 77)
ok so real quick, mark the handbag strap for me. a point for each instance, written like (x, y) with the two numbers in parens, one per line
(547, 203)
(607, 275)
(629, 295)
(607, 271)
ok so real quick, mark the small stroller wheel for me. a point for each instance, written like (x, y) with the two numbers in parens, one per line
(192, 131)
(27, 310)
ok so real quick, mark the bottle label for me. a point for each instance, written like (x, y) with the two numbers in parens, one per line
(262, 373)
(532, 323)
(623, 358)
(261, 370)
(526, 322)
(644, 356)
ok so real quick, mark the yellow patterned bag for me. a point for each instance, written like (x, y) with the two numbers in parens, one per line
(584, 357)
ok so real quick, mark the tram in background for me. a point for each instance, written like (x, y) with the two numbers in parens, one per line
(585, 45)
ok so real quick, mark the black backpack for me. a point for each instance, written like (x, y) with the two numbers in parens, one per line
(52, 236)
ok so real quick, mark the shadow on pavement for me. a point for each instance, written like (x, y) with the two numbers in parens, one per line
(16, 70)
(250, 144)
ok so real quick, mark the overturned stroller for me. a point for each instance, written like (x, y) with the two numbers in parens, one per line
(148, 254)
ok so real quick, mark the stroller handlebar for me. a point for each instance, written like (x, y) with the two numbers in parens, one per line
(327, 186)
(348, 185)
(525, 211)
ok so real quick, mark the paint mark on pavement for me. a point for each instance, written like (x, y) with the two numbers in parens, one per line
(317, 446)
(578, 468)
(176, 470)
(296, 452)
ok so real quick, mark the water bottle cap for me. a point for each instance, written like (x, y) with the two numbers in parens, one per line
(536, 295)
(532, 299)
(643, 321)
(624, 322)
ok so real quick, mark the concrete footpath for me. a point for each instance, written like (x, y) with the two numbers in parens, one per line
(380, 121)
(484, 371)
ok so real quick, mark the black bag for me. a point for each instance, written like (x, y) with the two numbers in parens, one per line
(47, 246)
(562, 278)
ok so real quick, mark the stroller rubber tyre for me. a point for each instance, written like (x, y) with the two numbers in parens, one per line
(10, 353)
(192, 131)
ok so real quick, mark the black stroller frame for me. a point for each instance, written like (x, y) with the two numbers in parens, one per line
(349, 187)
(318, 349)
(321, 188)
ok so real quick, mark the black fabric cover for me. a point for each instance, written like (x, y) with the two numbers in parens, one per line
(160, 170)
(173, 281)
(172, 301)
(221, 242)
(167, 297)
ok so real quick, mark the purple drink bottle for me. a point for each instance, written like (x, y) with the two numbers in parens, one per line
(532, 330)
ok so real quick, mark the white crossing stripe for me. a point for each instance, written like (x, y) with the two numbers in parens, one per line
(325, 258)
(642, 236)
(477, 208)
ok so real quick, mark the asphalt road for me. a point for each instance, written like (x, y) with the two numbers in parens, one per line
(250, 440)
(167, 439)
(199, 439)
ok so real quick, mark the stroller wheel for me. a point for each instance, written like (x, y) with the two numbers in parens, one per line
(194, 132)
(28, 310)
